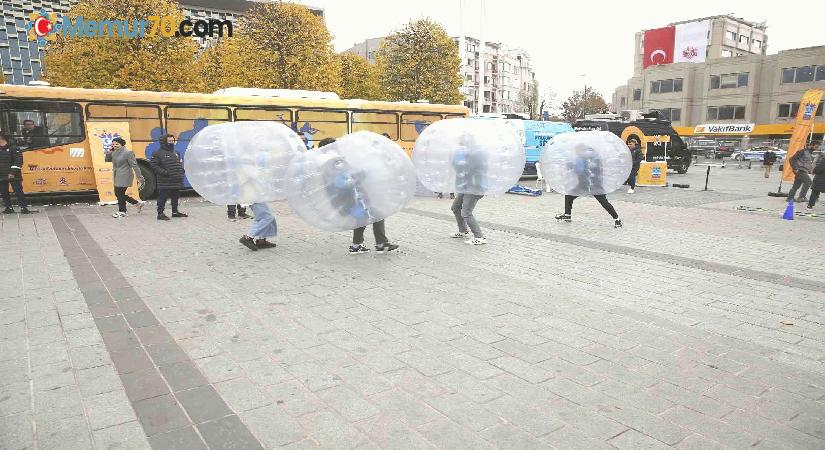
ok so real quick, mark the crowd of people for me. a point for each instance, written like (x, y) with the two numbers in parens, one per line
(167, 165)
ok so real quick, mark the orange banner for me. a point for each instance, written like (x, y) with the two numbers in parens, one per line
(802, 129)
(100, 141)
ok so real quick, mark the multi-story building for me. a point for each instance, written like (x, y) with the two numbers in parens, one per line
(21, 60)
(366, 49)
(737, 83)
(506, 73)
(502, 73)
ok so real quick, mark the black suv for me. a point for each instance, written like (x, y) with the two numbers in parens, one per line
(678, 156)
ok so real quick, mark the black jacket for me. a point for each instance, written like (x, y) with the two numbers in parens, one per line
(11, 161)
(769, 158)
(168, 167)
(819, 174)
(637, 156)
(35, 138)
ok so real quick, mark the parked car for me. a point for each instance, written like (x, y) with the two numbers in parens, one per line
(725, 150)
(703, 147)
(758, 153)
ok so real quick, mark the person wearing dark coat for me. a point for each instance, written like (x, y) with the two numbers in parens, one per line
(636, 154)
(818, 185)
(168, 167)
(768, 160)
(33, 136)
(11, 163)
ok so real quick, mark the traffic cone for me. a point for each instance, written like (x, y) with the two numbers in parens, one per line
(788, 211)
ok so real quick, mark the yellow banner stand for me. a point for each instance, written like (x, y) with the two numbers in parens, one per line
(802, 129)
(100, 141)
(652, 174)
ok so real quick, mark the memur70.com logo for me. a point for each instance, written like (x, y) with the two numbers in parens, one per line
(44, 27)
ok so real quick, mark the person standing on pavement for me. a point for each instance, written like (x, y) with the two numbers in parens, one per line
(263, 227)
(11, 163)
(818, 185)
(636, 154)
(802, 163)
(231, 211)
(168, 167)
(588, 169)
(345, 193)
(123, 165)
(768, 159)
(470, 169)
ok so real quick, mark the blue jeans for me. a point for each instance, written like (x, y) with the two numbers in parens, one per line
(263, 225)
(17, 187)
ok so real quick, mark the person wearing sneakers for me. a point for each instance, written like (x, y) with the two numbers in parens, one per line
(168, 167)
(11, 162)
(802, 163)
(263, 227)
(232, 209)
(588, 169)
(818, 185)
(345, 192)
(469, 168)
(123, 165)
(636, 154)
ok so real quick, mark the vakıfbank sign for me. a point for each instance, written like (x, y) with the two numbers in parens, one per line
(724, 128)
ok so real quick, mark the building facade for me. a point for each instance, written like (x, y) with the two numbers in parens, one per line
(738, 82)
(366, 49)
(21, 60)
(500, 73)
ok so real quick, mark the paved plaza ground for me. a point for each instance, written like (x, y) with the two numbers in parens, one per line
(697, 325)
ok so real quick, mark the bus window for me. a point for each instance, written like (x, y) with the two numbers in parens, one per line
(413, 124)
(319, 124)
(144, 121)
(380, 123)
(278, 115)
(35, 125)
(185, 121)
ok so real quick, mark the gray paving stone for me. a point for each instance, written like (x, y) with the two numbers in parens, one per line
(390, 432)
(273, 426)
(130, 360)
(348, 403)
(202, 404)
(140, 319)
(16, 432)
(294, 397)
(632, 439)
(508, 436)
(57, 404)
(166, 353)
(242, 395)
(160, 414)
(98, 380)
(125, 436)
(67, 433)
(152, 335)
(15, 398)
(182, 375)
(183, 439)
(448, 434)
(218, 368)
(52, 376)
(106, 410)
(142, 384)
(228, 432)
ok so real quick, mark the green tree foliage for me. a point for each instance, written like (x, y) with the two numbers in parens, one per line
(587, 101)
(420, 62)
(155, 63)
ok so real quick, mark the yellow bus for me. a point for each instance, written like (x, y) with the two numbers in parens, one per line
(49, 123)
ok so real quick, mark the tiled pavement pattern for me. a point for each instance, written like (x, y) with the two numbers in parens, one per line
(553, 335)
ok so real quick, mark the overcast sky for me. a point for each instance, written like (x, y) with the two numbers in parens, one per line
(569, 43)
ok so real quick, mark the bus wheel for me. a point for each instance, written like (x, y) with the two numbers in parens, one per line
(150, 184)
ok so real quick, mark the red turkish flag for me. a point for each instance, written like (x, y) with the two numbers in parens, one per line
(659, 46)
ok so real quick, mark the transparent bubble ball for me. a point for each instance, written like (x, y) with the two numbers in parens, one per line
(359, 179)
(585, 163)
(241, 162)
(469, 156)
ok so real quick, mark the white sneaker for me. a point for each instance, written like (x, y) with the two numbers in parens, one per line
(140, 205)
(460, 235)
(630, 191)
(476, 241)
(119, 215)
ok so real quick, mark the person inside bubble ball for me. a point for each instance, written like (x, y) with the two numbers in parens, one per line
(263, 227)
(470, 170)
(344, 187)
(588, 171)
